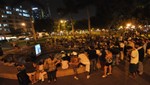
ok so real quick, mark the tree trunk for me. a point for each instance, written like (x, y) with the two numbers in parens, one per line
(33, 29)
(72, 25)
(89, 21)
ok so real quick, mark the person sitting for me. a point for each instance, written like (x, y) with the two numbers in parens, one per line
(74, 63)
(64, 62)
(85, 61)
(41, 72)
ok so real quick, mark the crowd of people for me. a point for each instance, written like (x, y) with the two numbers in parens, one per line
(94, 53)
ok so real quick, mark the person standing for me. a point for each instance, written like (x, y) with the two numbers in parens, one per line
(50, 66)
(108, 64)
(30, 70)
(1, 50)
(134, 59)
(141, 58)
(93, 59)
(23, 78)
(83, 58)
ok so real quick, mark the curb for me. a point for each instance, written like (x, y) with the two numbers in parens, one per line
(60, 73)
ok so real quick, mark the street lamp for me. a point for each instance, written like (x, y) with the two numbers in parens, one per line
(24, 26)
(62, 23)
(128, 24)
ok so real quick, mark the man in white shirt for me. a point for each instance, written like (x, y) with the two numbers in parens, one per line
(85, 60)
(134, 62)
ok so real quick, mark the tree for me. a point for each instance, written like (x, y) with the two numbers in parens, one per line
(44, 25)
(69, 9)
(72, 6)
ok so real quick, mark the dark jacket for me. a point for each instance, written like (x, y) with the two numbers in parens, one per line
(23, 78)
(141, 54)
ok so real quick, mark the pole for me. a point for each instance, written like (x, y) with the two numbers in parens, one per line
(33, 29)
(89, 22)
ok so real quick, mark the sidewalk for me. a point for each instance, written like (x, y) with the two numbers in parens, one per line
(9, 71)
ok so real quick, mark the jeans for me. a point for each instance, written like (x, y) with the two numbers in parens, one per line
(51, 75)
(93, 66)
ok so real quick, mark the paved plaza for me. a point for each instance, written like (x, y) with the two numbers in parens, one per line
(119, 77)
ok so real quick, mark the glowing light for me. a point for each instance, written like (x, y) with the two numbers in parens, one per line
(23, 24)
(128, 24)
(133, 26)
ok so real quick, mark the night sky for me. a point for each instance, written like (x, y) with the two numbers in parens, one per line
(54, 4)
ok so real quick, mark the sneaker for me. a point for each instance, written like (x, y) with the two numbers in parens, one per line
(109, 73)
(104, 76)
(49, 81)
(76, 78)
(55, 80)
(140, 73)
(88, 76)
(133, 77)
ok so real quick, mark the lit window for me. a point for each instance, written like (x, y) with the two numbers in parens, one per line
(20, 6)
(0, 25)
(35, 8)
(5, 25)
(8, 12)
(26, 15)
(4, 16)
(17, 9)
(25, 11)
(7, 7)
(20, 14)
(20, 10)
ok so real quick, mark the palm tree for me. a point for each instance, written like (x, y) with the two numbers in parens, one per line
(73, 6)
(69, 9)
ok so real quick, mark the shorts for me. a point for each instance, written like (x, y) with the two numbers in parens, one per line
(133, 68)
(108, 64)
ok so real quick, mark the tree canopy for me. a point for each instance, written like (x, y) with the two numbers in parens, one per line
(110, 12)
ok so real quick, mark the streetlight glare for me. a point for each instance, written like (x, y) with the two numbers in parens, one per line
(133, 27)
(23, 24)
(128, 24)
(62, 21)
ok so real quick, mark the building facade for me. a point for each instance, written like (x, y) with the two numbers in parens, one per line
(15, 19)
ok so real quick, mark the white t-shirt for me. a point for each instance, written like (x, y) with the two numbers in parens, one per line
(134, 56)
(83, 58)
(98, 52)
(64, 64)
(122, 45)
